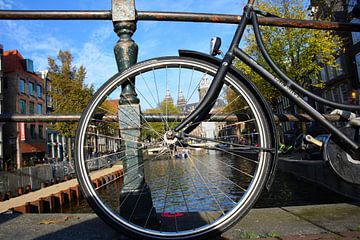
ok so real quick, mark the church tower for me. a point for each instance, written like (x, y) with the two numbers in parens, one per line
(181, 102)
(204, 86)
(168, 97)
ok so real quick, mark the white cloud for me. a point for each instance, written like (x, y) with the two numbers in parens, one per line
(100, 66)
(37, 43)
(6, 4)
(94, 47)
(32, 42)
(97, 56)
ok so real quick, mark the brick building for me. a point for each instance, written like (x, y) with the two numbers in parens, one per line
(1, 108)
(23, 94)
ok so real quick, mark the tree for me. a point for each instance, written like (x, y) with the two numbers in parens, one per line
(301, 53)
(68, 91)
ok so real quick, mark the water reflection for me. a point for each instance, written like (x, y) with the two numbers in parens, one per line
(205, 181)
(285, 191)
(202, 182)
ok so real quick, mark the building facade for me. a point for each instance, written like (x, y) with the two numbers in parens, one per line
(1, 108)
(355, 49)
(56, 145)
(341, 82)
(24, 143)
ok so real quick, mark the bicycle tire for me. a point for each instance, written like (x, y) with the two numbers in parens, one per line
(240, 204)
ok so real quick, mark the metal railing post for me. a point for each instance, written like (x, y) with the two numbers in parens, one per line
(126, 50)
(135, 189)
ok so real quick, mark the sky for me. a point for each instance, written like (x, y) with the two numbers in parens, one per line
(92, 42)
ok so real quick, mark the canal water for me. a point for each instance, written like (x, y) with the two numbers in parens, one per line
(174, 179)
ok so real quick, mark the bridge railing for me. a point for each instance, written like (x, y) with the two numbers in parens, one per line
(158, 118)
(125, 11)
(95, 163)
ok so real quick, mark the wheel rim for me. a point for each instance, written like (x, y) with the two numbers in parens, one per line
(243, 200)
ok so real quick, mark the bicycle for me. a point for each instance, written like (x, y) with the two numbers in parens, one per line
(205, 191)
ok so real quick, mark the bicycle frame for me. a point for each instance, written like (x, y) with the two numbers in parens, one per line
(207, 102)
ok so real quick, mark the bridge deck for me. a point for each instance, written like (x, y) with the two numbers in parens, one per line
(337, 221)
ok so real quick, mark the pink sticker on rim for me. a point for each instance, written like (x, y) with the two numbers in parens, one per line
(172, 215)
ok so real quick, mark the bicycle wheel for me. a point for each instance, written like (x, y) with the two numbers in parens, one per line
(174, 186)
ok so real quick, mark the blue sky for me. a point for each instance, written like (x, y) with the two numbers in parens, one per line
(92, 42)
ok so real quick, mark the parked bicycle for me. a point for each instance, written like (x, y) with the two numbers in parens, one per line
(216, 105)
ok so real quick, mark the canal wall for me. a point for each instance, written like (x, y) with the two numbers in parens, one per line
(47, 199)
(319, 172)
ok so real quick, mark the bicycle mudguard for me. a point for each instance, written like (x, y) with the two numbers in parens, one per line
(245, 80)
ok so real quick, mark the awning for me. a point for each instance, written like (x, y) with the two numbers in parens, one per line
(32, 148)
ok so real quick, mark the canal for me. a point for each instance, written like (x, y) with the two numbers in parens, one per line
(286, 190)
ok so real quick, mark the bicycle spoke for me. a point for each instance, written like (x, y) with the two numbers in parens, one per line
(179, 82)
(229, 152)
(159, 104)
(196, 190)
(196, 181)
(217, 113)
(137, 202)
(166, 101)
(142, 117)
(197, 87)
(149, 91)
(205, 165)
(206, 185)
(239, 146)
(190, 84)
(217, 187)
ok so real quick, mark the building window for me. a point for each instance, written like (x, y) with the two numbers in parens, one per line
(335, 94)
(331, 72)
(22, 106)
(323, 75)
(328, 95)
(355, 35)
(39, 108)
(351, 5)
(38, 91)
(22, 86)
(286, 102)
(31, 107)
(340, 66)
(357, 59)
(31, 89)
(32, 131)
(41, 132)
(344, 93)
(49, 101)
